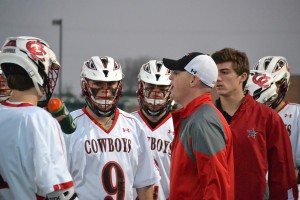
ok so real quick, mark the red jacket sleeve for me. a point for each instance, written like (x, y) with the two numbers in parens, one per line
(281, 173)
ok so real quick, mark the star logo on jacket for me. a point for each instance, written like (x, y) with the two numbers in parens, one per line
(288, 115)
(252, 133)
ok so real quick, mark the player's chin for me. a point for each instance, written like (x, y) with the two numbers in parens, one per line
(220, 91)
(221, 94)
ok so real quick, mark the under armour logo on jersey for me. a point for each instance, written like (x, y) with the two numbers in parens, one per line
(170, 132)
(252, 133)
(288, 115)
(193, 71)
(126, 130)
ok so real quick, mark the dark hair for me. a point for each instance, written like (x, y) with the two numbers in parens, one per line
(239, 60)
(17, 77)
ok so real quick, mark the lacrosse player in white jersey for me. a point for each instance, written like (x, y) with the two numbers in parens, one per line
(4, 89)
(108, 154)
(32, 149)
(154, 99)
(275, 70)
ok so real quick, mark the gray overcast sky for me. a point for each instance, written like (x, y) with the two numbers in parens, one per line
(166, 28)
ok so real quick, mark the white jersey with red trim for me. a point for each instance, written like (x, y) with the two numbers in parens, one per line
(160, 139)
(32, 153)
(290, 115)
(108, 164)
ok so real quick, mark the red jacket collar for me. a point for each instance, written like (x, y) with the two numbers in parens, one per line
(248, 101)
(193, 105)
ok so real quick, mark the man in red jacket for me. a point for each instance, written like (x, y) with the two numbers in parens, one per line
(202, 156)
(260, 140)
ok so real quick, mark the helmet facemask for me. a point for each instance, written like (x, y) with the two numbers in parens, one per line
(268, 100)
(282, 88)
(103, 96)
(49, 84)
(154, 99)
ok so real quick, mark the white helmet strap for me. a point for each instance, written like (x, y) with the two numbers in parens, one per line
(37, 87)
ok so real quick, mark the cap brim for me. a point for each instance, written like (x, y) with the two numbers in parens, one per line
(171, 64)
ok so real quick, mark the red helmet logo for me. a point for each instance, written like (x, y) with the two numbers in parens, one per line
(36, 50)
(261, 80)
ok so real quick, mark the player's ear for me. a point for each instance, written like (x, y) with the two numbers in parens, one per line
(243, 77)
(194, 80)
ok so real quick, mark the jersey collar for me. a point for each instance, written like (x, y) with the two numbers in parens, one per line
(16, 104)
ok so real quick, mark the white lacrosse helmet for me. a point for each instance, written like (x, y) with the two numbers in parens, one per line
(4, 89)
(261, 86)
(155, 99)
(103, 70)
(35, 56)
(278, 67)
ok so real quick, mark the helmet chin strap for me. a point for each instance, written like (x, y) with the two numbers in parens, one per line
(41, 102)
(37, 88)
